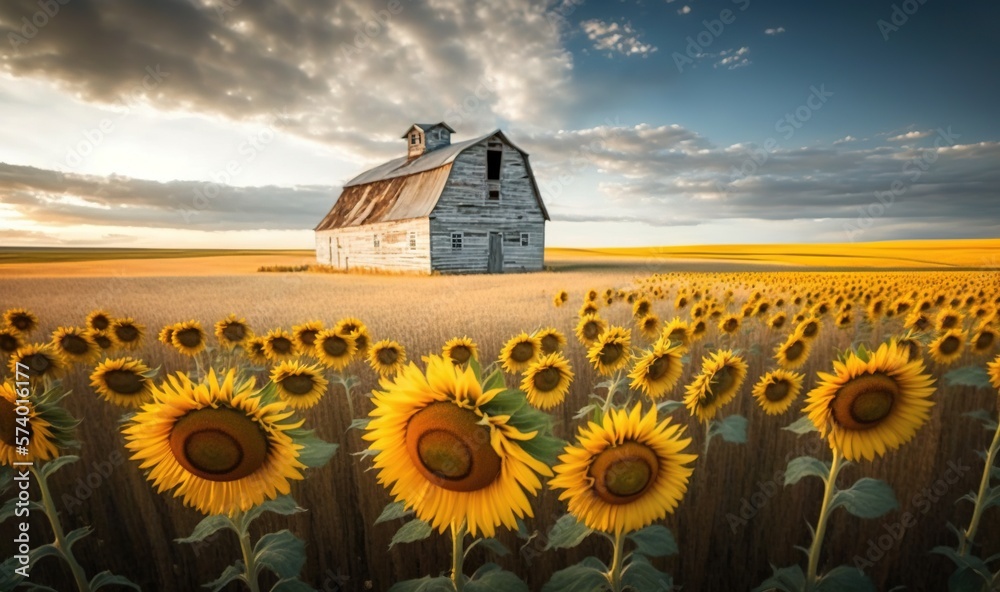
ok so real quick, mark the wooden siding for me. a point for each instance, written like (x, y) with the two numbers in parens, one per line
(357, 248)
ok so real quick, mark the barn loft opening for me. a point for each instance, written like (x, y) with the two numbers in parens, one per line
(493, 158)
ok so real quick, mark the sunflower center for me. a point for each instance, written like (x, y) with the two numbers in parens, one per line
(547, 379)
(37, 363)
(308, 337)
(361, 340)
(234, 332)
(623, 473)
(723, 380)
(810, 329)
(794, 351)
(100, 322)
(912, 349)
(950, 344)
(126, 333)
(659, 368)
(74, 345)
(522, 352)
(387, 356)
(611, 353)
(460, 354)
(190, 337)
(451, 449)
(298, 384)
(550, 344)
(591, 330)
(865, 401)
(21, 322)
(123, 382)
(335, 346)
(282, 345)
(219, 444)
(678, 335)
(984, 340)
(949, 322)
(8, 343)
(102, 341)
(9, 425)
(777, 391)
(730, 325)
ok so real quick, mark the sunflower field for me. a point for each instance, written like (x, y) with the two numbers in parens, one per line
(766, 430)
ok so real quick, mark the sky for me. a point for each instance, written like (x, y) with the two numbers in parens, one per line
(233, 123)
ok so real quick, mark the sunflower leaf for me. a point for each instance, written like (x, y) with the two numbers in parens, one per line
(732, 428)
(669, 406)
(10, 507)
(494, 546)
(567, 533)
(315, 452)
(582, 577)
(412, 531)
(208, 526)
(57, 463)
(234, 572)
(806, 466)
(106, 578)
(640, 574)
(73, 536)
(544, 448)
(785, 579)
(424, 584)
(654, 541)
(359, 423)
(982, 415)
(506, 402)
(281, 552)
(992, 497)
(393, 511)
(845, 579)
(6, 478)
(291, 585)
(800, 426)
(974, 566)
(494, 381)
(585, 410)
(491, 578)
(973, 375)
(867, 498)
(284, 505)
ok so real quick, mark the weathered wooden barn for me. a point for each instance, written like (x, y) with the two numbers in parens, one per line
(468, 207)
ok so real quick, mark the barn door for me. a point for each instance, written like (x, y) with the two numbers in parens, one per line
(494, 264)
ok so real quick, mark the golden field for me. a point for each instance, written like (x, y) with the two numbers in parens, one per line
(136, 527)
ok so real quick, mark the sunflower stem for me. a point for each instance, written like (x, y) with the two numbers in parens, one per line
(984, 487)
(457, 554)
(824, 516)
(708, 439)
(618, 558)
(247, 549)
(53, 515)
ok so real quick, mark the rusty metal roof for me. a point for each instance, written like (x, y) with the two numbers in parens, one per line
(402, 166)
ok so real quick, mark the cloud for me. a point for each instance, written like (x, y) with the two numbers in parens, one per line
(684, 10)
(845, 140)
(616, 38)
(914, 135)
(774, 31)
(733, 59)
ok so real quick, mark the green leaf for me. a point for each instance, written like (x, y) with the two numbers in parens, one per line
(640, 576)
(984, 416)
(6, 478)
(992, 497)
(316, 452)
(393, 511)
(231, 573)
(494, 381)
(490, 578)
(669, 406)
(424, 584)
(414, 530)
(582, 577)
(586, 410)
(292, 585)
(281, 552)
(974, 375)
(970, 570)
(10, 508)
(732, 429)
(802, 425)
(544, 448)
(55, 464)
(359, 423)
(494, 546)
(567, 533)
(284, 505)
(106, 578)
(73, 536)
(967, 580)
(208, 526)
(867, 498)
(806, 466)
(785, 579)
(845, 579)
(506, 402)
(654, 541)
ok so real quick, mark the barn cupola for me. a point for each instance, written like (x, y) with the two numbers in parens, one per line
(424, 137)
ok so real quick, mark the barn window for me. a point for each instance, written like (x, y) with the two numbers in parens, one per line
(456, 240)
(494, 194)
(413, 241)
(375, 241)
(493, 158)
(414, 138)
(524, 239)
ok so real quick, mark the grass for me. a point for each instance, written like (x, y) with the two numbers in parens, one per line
(64, 255)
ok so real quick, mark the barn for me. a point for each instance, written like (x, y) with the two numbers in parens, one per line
(467, 207)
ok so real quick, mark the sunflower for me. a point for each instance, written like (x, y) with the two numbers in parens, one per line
(99, 320)
(872, 403)
(333, 349)
(993, 370)
(299, 385)
(589, 329)
(547, 380)
(232, 331)
(387, 357)
(125, 382)
(166, 335)
(626, 472)
(103, 339)
(793, 352)
(552, 340)
(10, 340)
(254, 349)
(591, 295)
(730, 324)
(49, 426)
(808, 328)
(984, 339)
(460, 350)
(355, 328)
(75, 345)
(949, 318)
(305, 334)
(777, 390)
(678, 331)
(588, 308)
(21, 320)
(127, 333)
(452, 450)
(722, 375)
(910, 344)
(221, 446)
(657, 371)
(947, 347)
(611, 351)
(844, 319)
(279, 345)
(519, 352)
(777, 320)
(641, 308)
(649, 326)
(918, 320)
(188, 337)
(37, 360)
(561, 297)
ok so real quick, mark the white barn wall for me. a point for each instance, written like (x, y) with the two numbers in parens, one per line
(357, 248)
